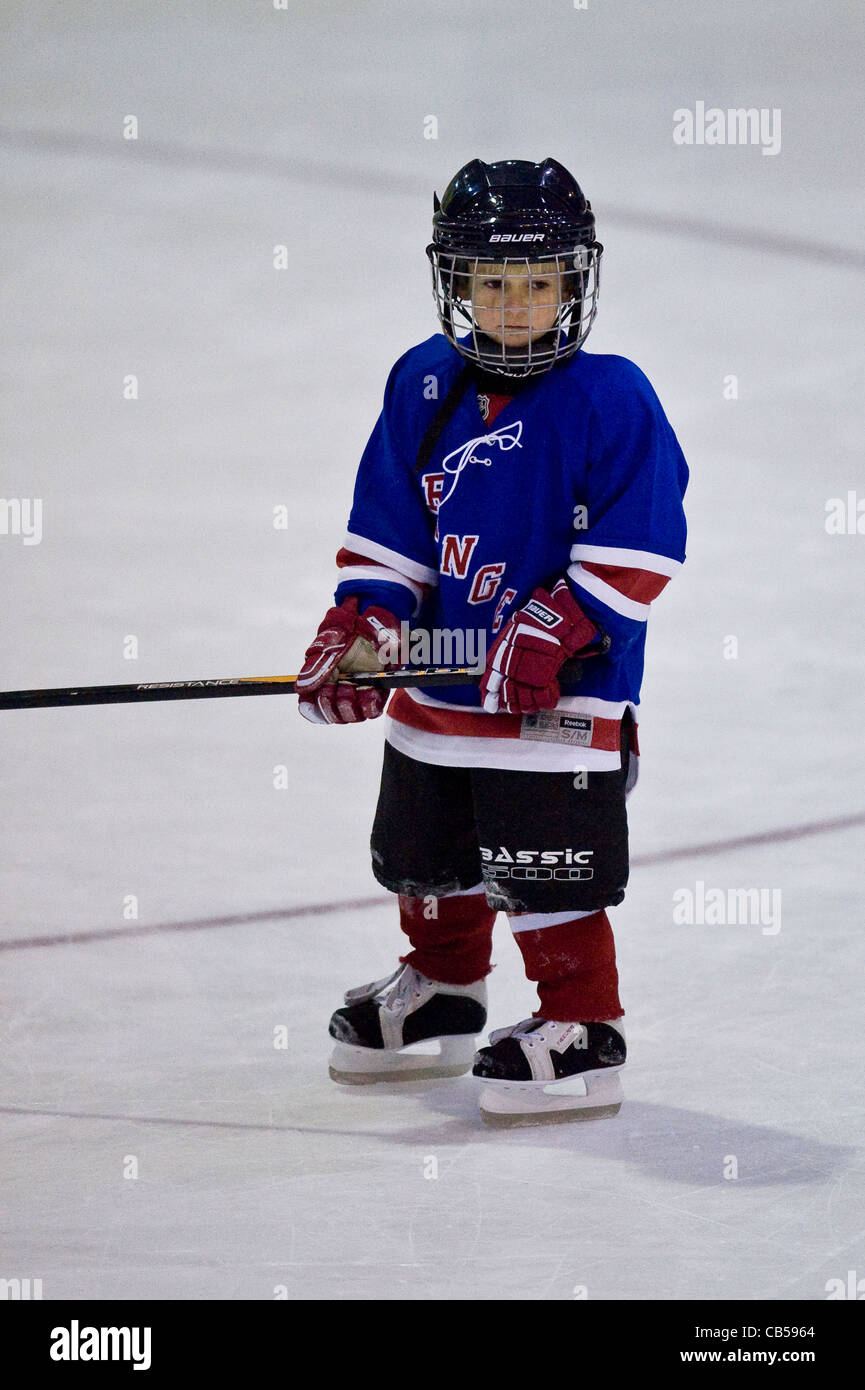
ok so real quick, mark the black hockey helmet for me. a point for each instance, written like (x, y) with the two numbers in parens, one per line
(515, 215)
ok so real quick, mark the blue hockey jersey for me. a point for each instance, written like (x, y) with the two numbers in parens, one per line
(580, 475)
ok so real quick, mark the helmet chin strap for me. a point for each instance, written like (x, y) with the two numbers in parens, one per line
(516, 364)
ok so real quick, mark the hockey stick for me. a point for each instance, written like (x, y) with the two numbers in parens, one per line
(399, 677)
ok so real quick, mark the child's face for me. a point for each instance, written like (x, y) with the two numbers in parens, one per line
(515, 303)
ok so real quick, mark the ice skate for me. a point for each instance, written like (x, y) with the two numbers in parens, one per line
(538, 1072)
(407, 1028)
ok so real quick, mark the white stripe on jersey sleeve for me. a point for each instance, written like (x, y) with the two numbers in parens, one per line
(605, 593)
(379, 574)
(401, 563)
(626, 559)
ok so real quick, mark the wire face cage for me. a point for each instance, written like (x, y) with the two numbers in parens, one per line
(517, 315)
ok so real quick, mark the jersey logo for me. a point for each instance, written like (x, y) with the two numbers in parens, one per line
(507, 597)
(432, 486)
(456, 554)
(486, 582)
(508, 437)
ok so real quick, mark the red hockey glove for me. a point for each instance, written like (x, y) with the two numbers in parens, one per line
(522, 664)
(345, 641)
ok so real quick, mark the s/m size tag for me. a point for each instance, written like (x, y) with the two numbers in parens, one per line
(558, 726)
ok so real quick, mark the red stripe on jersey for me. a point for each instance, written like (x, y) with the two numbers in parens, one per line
(351, 557)
(450, 721)
(405, 710)
(347, 559)
(640, 585)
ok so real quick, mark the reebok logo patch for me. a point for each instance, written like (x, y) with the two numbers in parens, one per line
(555, 726)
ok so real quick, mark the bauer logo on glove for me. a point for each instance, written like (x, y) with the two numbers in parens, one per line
(524, 661)
(533, 609)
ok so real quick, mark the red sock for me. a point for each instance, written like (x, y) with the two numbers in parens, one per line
(574, 963)
(452, 937)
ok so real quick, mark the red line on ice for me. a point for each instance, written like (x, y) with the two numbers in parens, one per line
(286, 914)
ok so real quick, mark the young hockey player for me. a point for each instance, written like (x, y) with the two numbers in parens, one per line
(522, 489)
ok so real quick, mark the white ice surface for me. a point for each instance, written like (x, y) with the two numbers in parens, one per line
(259, 387)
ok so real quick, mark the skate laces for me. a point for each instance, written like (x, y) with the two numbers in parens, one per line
(362, 993)
(410, 982)
(544, 1030)
(527, 1025)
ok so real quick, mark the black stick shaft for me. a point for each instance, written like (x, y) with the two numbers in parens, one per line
(145, 692)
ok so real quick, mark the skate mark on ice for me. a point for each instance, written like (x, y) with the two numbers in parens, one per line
(680, 1146)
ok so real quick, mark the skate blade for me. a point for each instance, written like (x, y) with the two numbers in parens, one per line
(369, 1078)
(590, 1096)
(351, 1065)
(501, 1120)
